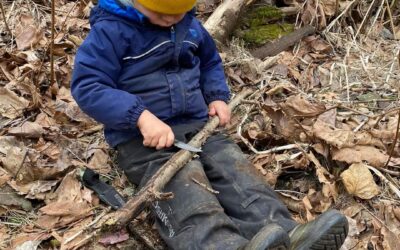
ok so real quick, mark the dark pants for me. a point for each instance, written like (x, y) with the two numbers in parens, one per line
(197, 218)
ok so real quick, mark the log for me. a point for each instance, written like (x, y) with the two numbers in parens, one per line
(224, 18)
(152, 191)
(283, 43)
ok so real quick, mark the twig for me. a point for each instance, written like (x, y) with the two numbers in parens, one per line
(345, 73)
(376, 18)
(364, 19)
(105, 211)
(329, 27)
(205, 186)
(53, 20)
(361, 125)
(391, 18)
(394, 142)
(4, 17)
(385, 180)
(391, 172)
(396, 55)
(22, 163)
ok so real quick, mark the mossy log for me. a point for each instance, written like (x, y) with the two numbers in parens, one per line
(283, 43)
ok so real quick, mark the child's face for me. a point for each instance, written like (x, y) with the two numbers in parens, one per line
(160, 19)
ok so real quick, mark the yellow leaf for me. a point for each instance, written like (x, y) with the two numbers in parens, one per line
(359, 181)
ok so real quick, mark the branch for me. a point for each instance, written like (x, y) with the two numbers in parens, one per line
(4, 17)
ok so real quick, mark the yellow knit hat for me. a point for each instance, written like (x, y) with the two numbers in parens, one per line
(168, 6)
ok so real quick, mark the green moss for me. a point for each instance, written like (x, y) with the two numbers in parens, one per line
(262, 15)
(265, 33)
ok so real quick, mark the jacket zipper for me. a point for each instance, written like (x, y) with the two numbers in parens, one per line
(172, 33)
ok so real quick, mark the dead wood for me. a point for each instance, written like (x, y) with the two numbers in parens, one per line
(153, 189)
(283, 43)
(223, 20)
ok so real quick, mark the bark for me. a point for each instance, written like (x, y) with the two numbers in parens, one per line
(152, 191)
(224, 18)
(283, 43)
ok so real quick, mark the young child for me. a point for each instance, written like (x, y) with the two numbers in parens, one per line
(150, 72)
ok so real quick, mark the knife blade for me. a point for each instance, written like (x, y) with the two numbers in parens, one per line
(186, 146)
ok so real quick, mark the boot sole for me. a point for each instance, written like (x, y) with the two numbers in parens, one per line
(332, 240)
(329, 236)
(280, 247)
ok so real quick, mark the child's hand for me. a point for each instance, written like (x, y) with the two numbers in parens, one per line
(220, 109)
(155, 132)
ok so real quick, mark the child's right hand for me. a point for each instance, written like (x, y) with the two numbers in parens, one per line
(155, 132)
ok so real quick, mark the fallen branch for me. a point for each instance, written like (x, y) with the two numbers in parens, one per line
(283, 43)
(223, 20)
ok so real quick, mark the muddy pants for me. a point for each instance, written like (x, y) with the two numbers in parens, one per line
(197, 218)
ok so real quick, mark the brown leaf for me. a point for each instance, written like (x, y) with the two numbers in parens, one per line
(21, 238)
(99, 162)
(329, 7)
(299, 106)
(359, 154)
(14, 159)
(28, 130)
(391, 241)
(27, 33)
(359, 181)
(49, 149)
(64, 208)
(4, 236)
(34, 190)
(11, 106)
(284, 126)
(4, 177)
(329, 186)
(9, 198)
(340, 138)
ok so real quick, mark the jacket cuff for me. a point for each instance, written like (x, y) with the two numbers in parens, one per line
(217, 96)
(135, 112)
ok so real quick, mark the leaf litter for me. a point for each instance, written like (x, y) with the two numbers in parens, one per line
(320, 128)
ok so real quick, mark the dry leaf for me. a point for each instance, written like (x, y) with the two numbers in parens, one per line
(11, 106)
(99, 162)
(340, 138)
(64, 208)
(34, 190)
(14, 159)
(28, 130)
(359, 181)
(359, 154)
(299, 106)
(27, 33)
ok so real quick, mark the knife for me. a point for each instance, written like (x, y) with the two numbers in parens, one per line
(186, 146)
(105, 192)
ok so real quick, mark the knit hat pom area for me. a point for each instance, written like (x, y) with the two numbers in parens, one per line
(171, 7)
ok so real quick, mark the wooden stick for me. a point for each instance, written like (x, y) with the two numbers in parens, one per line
(4, 17)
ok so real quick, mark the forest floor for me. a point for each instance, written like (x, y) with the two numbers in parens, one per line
(321, 126)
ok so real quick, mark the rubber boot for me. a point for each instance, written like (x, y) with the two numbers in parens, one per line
(271, 237)
(328, 232)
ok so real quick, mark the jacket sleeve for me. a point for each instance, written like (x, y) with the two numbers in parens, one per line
(95, 76)
(212, 78)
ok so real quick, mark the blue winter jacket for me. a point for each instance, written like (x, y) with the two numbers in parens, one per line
(126, 65)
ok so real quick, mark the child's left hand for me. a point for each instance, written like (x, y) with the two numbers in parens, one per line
(220, 109)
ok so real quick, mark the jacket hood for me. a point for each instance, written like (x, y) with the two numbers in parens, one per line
(118, 10)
